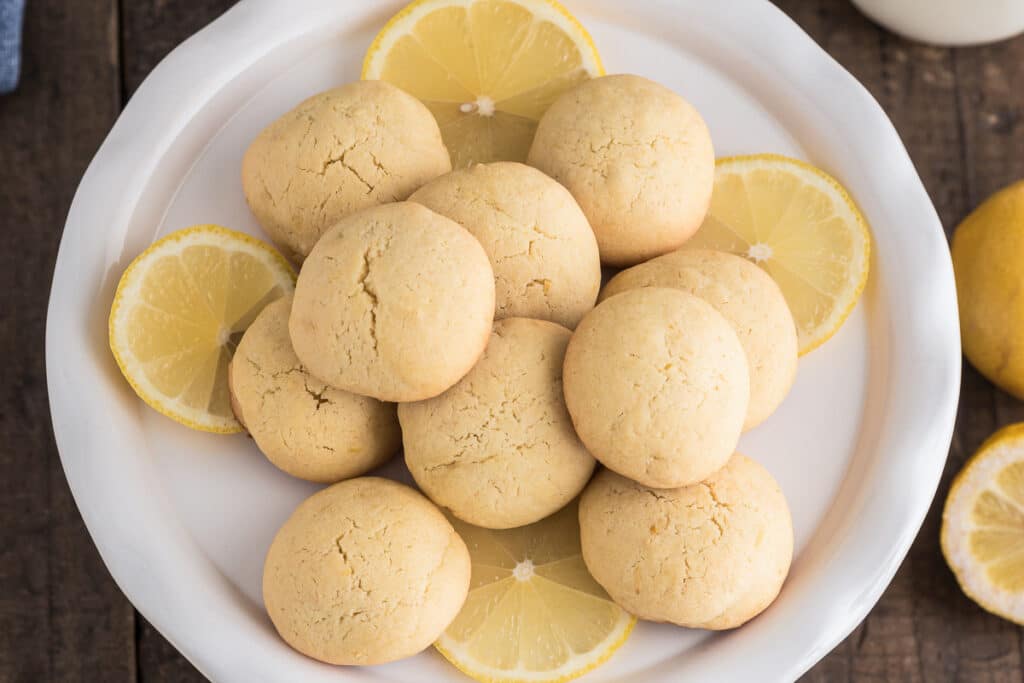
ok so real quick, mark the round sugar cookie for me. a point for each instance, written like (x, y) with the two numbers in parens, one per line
(748, 298)
(657, 385)
(366, 571)
(306, 428)
(544, 254)
(395, 302)
(710, 555)
(359, 145)
(498, 449)
(636, 156)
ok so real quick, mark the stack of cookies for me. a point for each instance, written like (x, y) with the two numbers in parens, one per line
(460, 315)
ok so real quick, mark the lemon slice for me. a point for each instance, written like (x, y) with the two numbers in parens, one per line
(179, 311)
(487, 69)
(800, 225)
(533, 612)
(983, 525)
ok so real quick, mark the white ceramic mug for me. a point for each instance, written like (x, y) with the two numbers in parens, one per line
(948, 22)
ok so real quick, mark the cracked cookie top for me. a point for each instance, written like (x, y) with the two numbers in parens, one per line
(748, 298)
(657, 385)
(710, 555)
(359, 145)
(365, 572)
(543, 251)
(306, 428)
(394, 302)
(636, 156)
(498, 449)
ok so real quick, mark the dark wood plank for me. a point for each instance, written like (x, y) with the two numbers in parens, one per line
(955, 639)
(959, 113)
(158, 661)
(990, 88)
(950, 638)
(61, 616)
(150, 29)
(924, 628)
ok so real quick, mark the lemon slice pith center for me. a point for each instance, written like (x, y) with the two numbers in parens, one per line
(486, 69)
(179, 311)
(533, 612)
(798, 224)
(982, 534)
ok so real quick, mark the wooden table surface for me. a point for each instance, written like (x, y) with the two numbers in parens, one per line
(960, 113)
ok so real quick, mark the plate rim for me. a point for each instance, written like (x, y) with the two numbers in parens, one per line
(802, 61)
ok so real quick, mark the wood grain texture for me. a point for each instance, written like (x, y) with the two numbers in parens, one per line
(960, 113)
(990, 91)
(911, 83)
(150, 29)
(61, 616)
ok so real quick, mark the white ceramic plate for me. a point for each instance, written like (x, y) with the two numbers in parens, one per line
(183, 519)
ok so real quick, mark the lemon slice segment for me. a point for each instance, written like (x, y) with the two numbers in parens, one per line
(983, 525)
(533, 612)
(487, 69)
(800, 225)
(181, 307)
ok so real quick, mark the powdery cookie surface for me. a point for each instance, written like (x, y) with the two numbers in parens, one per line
(543, 251)
(359, 145)
(710, 555)
(365, 572)
(657, 385)
(498, 449)
(638, 159)
(394, 302)
(303, 426)
(748, 298)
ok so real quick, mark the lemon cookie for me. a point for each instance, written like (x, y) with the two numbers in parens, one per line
(365, 572)
(394, 302)
(748, 298)
(638, 159)
(657, 385)
(362, 144)
(498, 449)
(303, 426)
(541, 247)
(710, 555)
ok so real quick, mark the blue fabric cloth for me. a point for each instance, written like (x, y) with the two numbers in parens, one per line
(11, 14)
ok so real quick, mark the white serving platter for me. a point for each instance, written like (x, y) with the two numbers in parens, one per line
(183, 519)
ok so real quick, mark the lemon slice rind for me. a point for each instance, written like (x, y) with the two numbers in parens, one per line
(979, 476)
(486, 77)
(845, 209)
(457, 656)
(545, 10)
(532, 623)
(129, 291)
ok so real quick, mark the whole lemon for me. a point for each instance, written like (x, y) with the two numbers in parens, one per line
(988, 258)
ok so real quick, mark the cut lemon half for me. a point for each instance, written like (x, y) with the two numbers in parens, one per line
(179, 311)
(533, 612)
(983, 525)
(800, 225)
(487, 69)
